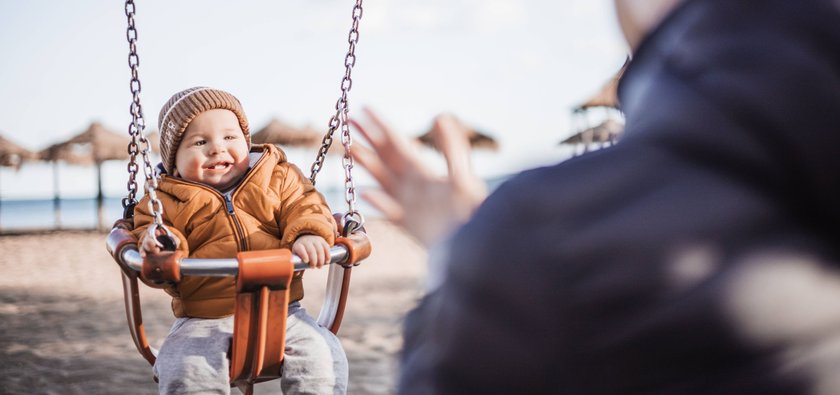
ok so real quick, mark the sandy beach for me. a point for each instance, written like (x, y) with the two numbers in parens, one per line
(63, 328)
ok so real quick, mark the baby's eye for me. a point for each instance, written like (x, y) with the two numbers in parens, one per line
(231, 137)
(200, 142)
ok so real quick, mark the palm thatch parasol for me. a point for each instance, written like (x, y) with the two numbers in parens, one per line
(95, 145)
(607, 132)
(608, 95)
(478, 140)
(13, 155)
(280, 133)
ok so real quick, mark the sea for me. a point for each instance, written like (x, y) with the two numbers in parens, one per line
(27, 215)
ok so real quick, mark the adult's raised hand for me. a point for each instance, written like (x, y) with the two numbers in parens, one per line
(427, 205)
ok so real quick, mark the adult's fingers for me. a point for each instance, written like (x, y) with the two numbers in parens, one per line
(390, 208)
(371, 162)
(451, 139)
(383, 149)
(378, 134)
(397, 152)
(386, 135)
(370, 132)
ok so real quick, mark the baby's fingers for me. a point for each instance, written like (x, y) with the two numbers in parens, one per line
(301, 252)
(315, 258)
(323, 254)
(148, 246)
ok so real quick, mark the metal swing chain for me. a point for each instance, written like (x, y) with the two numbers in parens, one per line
(340, 121)
(135, 129)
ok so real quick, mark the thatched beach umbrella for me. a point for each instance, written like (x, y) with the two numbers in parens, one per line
(478, 140)
(13, 155)
(605, 133)
(280, 133)
(95, 145)
(608, 95)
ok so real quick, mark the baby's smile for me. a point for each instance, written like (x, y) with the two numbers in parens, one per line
(218, 166)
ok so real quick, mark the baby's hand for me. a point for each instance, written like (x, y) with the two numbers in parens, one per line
(312, 249)
(150, 246)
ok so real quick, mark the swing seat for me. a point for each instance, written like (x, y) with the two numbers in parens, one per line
(262, 296)
(263, 277)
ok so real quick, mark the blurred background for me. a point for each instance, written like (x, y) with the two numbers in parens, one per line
(533, 81)
(514, 71)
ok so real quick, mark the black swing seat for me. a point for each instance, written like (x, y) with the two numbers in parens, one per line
(262, 295)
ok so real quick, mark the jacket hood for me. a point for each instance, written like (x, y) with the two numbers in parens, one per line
(756, 98)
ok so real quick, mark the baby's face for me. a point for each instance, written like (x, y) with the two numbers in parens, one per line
(213, 150)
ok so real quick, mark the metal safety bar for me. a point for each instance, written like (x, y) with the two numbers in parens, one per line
(223, 267)
(347, 252)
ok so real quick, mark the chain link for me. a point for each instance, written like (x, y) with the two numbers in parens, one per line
(135, 130)
(337, 121)
(340, 121)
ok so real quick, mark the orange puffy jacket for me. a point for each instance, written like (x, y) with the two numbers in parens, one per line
(272, 206)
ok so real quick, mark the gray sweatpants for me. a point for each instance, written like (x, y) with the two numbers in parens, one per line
(193, 358)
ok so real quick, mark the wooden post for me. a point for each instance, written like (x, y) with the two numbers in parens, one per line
(57, 198)
(100, 198)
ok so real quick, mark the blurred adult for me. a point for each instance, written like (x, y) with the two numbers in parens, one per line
(697, 256)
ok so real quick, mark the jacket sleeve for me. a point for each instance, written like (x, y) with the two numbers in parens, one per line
(302, 208)
(143, 218)
(490, 326)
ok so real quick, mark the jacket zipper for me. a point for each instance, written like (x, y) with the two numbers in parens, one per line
(243, 242)
(240, 233)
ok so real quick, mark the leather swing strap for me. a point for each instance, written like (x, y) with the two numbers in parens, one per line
(259, 326)
(118, 241)
(358, 248)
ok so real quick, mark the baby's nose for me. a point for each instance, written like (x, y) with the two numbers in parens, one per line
(217, 147)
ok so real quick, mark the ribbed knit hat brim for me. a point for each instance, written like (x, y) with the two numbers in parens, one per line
(182, 108)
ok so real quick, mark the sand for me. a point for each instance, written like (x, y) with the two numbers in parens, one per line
(63, 328)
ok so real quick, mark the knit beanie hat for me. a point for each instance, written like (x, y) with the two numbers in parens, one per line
(182, 108)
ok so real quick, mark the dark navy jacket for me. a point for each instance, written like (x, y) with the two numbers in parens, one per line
(623, 271)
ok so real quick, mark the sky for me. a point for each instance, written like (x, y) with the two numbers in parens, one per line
(511, 68)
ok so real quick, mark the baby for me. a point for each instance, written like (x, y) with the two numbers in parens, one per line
(220, 195)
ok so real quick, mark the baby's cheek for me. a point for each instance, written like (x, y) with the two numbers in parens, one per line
(192, 171)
